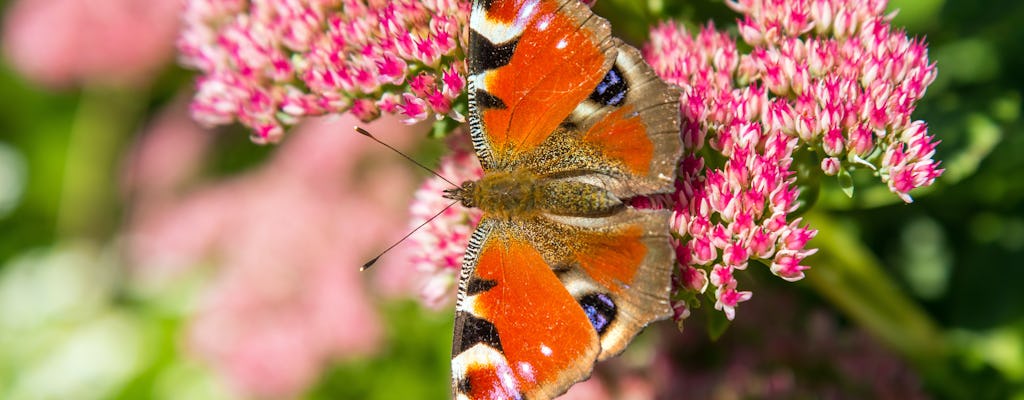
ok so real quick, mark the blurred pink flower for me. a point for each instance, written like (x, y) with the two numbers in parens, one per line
(830, 75)
(624, 378)
(590, 389)
(63, 42)
(287, 238)
(270, 63)
(170, 152)
(438, 247)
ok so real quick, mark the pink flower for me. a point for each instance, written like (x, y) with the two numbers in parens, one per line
(619, 380)
(831, 75)
(590, 389)
(169, 153)
(439, 246)
(270, 63)
(413, 108)
(855, 100)
(65, 42)
(286, 297)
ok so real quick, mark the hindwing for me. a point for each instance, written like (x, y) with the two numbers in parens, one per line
(541, 300)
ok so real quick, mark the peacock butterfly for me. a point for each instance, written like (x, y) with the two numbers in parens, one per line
(568, 123)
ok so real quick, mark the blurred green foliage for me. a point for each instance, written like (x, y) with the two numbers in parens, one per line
(416, 357)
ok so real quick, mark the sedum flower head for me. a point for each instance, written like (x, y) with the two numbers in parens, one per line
(851, 82)
(270, 63)
(826, 76)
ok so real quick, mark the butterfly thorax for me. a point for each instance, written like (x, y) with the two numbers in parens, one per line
(521, 194)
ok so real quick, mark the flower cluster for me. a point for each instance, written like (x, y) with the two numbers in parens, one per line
(730, 211)
(440, 245)
(269, 63)
(828, 76)
(849, 83)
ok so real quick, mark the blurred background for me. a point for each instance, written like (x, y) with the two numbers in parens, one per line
(142, 256)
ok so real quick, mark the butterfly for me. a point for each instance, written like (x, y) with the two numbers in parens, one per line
(568, 123)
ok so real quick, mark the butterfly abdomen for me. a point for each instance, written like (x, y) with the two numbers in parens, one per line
(522, 194)
(574, 198)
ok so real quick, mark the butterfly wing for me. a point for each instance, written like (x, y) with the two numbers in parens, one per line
(624, 137)
(536, 310)
(530, 63)
(617, 267)
(518, 332)
(551, 91)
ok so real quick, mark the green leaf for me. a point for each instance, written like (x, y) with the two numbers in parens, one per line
(845, 182)
(717, 323)
(443, 127)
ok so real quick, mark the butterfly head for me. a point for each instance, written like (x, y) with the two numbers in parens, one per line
(463, 194)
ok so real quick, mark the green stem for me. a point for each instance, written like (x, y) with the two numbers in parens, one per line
(850, 276)
(88, 196)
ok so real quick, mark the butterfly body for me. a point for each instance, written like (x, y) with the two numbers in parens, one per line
(521, 194)
(568, 123)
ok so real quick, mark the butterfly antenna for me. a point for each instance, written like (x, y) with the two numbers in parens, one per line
(370, 263)
(366, 133)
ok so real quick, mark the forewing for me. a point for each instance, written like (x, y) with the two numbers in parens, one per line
(518, 332)
(624, 136)
(531, 62)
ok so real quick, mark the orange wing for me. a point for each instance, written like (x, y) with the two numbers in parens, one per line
(531, 62)
(617, 267)
(518, 332)
(624, 137)
(541, 300)
(552, 93)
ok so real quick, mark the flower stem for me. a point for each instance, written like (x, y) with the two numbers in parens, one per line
(88, 192)
(854, 280)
